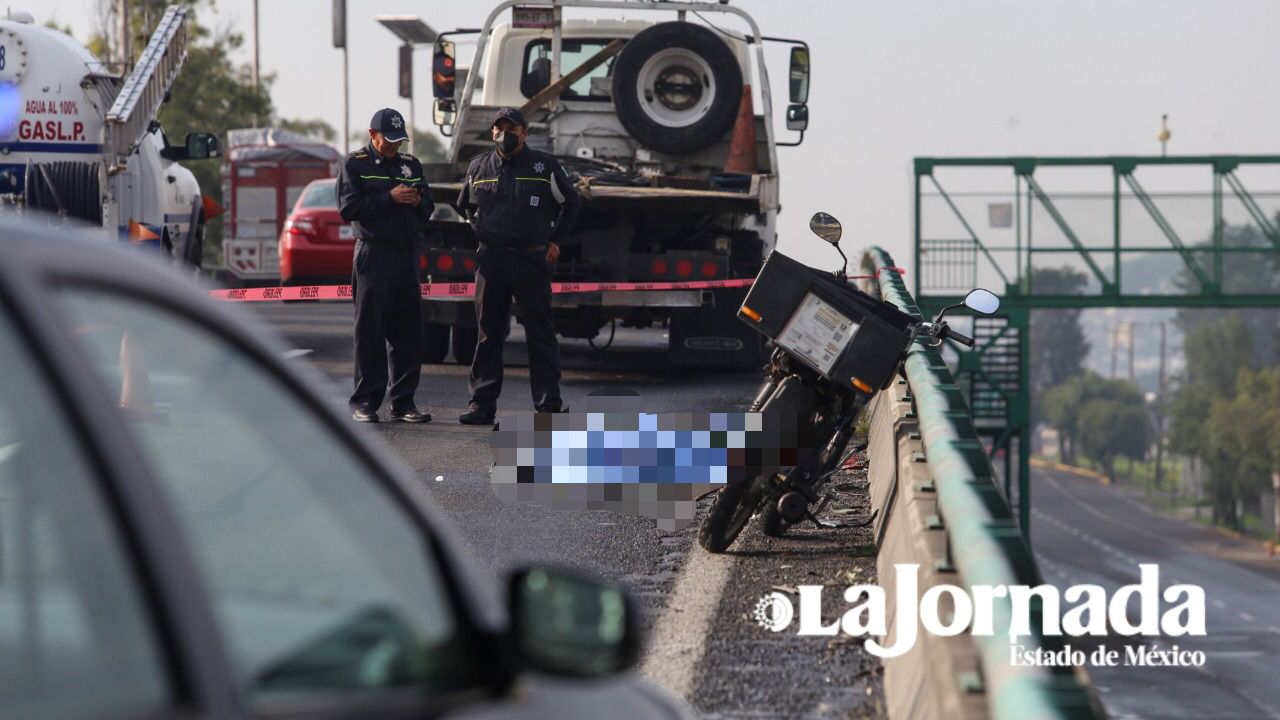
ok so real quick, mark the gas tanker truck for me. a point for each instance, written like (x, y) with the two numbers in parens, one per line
(81, 145)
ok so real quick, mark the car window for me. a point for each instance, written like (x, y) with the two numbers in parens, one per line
(319, 195)
(321, 581)
(74, 634)
(594, 86)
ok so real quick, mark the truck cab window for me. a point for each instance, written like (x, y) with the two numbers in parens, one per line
(593, 87)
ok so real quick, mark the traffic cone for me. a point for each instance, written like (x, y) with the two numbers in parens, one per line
(140, 233)
(742, 148)
(135, 380)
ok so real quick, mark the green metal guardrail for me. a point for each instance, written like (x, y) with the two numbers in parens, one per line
(984, 543)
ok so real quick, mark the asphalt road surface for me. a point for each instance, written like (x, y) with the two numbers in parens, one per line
(704, 644)
(1086, 532)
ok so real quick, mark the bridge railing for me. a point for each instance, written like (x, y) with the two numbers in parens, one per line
(939, 508)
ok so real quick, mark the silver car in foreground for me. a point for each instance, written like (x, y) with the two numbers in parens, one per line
(187, 530)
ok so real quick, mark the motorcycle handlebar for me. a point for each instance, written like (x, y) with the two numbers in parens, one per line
(959, 336)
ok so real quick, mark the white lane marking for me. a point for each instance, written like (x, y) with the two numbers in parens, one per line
(1246, 617)
(296, 352)
(1219, 604)
(679, 638)
(1274, 629)
(1048, 477)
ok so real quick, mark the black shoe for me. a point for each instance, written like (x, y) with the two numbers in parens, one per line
(411, 416)
(364, 415)
(555, 410)
(477, 416)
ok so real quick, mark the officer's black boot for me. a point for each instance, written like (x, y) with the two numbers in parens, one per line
(477, 415)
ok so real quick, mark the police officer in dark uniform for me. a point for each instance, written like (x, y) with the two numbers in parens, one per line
(384, 196)
(520, 203)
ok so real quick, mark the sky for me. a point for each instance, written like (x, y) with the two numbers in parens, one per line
(892, 80)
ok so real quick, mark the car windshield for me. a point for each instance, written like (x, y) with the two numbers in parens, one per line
(320, 195)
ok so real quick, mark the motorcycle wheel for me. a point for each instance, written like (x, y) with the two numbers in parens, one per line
(771, 522)
(732, 509)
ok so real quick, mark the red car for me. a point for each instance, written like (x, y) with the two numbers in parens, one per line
(315, 244)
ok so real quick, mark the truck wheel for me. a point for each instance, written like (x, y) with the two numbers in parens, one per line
(676, 87)
(464, 344)
(435, 343)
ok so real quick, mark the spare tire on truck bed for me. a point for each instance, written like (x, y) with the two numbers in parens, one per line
(676, 87)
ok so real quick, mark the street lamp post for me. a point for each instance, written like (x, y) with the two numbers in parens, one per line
(340, 41)
(255, 44)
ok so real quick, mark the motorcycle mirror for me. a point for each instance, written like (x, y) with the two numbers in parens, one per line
(825, 227)
(982, 301)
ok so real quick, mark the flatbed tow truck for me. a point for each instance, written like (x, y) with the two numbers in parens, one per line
(655, 121)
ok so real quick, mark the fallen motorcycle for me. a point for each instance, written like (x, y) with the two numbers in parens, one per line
(834, 348)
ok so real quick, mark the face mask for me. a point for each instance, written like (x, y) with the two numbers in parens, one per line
(507, 141)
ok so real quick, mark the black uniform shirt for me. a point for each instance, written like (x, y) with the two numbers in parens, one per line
(524, 201)
(364, 197)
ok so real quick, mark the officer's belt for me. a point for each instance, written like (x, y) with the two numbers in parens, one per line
(383, 241)
(511, 249)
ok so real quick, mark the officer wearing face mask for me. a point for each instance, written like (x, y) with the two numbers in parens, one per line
(521, 204)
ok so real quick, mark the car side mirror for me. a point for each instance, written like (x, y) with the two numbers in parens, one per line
(799, 75)
(202, 146)
(825, 227)
(982, 301)
(798, 117)
(570, 624)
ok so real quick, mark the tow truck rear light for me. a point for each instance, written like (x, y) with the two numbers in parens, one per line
(422, 262)
(658, 268)
(684, 268)
(709, 269)
(445, 263)
(468, 264)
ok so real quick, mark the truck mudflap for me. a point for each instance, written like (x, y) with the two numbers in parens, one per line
(713, 336)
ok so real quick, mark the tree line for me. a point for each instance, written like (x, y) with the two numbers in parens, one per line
(1222, 409)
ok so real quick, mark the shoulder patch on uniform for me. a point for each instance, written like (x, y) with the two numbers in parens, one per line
(359, 154)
